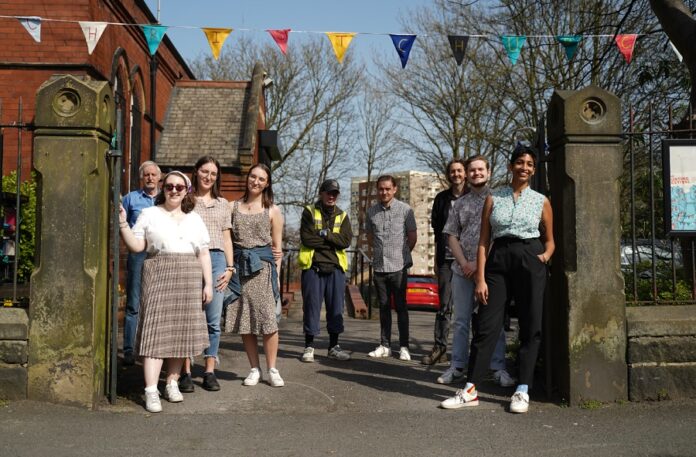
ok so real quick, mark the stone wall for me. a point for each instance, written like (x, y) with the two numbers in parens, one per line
(661, 352)
(14, 325)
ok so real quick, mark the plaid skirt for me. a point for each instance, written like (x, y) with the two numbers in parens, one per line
(171, 319)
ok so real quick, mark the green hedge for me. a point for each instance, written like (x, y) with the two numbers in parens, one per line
(26, 222)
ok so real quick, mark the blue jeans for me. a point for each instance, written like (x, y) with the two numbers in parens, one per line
(213, 310)
(463, 307)
(134, 267)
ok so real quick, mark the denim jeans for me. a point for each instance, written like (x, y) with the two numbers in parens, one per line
(213, 310)
(134, 267)
(392, 285)
(463, 304)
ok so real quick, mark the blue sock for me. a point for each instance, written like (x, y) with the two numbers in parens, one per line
(524, 388)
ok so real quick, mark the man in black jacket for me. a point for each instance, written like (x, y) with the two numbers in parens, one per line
(325, 234)
(456, 176)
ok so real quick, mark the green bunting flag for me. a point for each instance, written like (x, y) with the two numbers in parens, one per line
(570, 43)
(513, 45)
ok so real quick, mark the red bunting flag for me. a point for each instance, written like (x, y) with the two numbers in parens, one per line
(281, 39)
(626, 43)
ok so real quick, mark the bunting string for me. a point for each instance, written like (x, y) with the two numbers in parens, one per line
(340, 41)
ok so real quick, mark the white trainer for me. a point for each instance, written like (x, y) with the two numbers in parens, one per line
(274, 378)
(172, 393)
(519, 403)
(380, 351)
(308, 355)
(152, 402)
(404, 354)
(503, 378)
(338, 354)
(253, 378)
(462, 399)
(451, 375)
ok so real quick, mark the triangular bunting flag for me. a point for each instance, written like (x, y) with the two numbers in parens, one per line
(676, 51)
(513, 45)
(570, 43)
(153, 35)
(281, 39)
(93, 32)
(458, 44)
(403, 44)
(216, 38)
(33, 25)
(340, 43)
(626, 43)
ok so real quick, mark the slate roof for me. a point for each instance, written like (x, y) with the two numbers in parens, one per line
(205, 118)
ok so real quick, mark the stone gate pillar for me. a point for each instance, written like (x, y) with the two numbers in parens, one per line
(69, 306)
(587, 312)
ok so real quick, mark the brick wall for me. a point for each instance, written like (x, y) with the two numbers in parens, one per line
(25, 64)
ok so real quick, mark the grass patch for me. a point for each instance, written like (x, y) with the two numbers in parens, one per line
(591, 405)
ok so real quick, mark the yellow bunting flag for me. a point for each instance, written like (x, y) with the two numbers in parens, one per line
(340, 43)
(216, 38)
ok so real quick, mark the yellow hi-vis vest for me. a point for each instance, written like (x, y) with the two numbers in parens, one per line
(307, 254)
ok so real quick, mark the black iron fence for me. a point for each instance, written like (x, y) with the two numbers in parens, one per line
(657, 268)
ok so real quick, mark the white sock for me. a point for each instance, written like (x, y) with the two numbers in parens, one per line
(173, 382)
(151, 389)
(468, 386)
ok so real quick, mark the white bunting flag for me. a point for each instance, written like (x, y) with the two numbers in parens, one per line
(93, 32)
(674, 48)
(33, 26)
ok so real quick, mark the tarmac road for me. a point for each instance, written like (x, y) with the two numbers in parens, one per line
(363, 407)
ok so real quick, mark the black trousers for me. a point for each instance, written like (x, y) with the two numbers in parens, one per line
(392, 286)
(512, 269)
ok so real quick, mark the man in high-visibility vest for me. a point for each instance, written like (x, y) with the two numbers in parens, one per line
(325, 234)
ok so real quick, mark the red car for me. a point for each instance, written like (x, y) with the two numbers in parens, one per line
(421, 293)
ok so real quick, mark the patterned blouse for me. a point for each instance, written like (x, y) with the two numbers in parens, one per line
(217, 216)
(518, 219)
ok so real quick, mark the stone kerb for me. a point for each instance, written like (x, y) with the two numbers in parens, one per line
(14, 330)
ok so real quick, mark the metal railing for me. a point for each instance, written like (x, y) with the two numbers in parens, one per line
(658, 269)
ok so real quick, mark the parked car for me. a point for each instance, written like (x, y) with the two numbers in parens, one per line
(644, 253)
(422, 293)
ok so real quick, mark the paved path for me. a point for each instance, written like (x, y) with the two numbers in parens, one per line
(360, 408)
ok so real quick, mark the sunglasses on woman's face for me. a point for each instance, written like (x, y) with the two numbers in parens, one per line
(171, 187)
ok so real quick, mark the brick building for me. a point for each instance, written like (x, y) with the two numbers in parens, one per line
(416, 188)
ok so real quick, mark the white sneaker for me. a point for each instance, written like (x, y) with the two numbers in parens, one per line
(404, 354)
(503, 378)
(451, 375)
(152, 402)
(339, 354)
(172, 393)
(274, 378)
(380, 351)
(519, 403)
(308, 355)
(253, 378)
(462, 398)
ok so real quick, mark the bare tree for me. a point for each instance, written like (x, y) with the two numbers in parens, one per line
(311, 104)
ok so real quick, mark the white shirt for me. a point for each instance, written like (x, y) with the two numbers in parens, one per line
(166, 234)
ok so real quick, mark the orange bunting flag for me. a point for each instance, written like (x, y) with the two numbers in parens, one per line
(216, 38)
(340, 43)
(281, 39)
(626, 43)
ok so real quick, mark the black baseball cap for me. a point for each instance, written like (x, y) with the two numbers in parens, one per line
(330, 185)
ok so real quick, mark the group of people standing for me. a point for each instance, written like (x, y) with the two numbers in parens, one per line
(191, 248)
(188, 247)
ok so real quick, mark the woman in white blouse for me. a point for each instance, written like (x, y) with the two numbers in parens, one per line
(172, 323)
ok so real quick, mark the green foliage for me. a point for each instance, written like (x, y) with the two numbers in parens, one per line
(680, 291)
(26, 222)
(591, 405)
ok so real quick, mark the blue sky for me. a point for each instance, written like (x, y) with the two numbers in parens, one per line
(375, 16)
